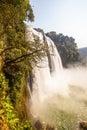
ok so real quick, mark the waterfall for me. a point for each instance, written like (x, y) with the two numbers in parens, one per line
(56, 91)
(46, 79)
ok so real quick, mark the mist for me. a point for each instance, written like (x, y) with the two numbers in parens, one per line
(64, 98)
(59, 95)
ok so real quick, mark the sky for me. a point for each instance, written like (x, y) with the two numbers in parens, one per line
(62, 16)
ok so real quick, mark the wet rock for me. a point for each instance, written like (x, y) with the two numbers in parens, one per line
(48, 127)
(38, 125)
(43, 126)
(83, 125)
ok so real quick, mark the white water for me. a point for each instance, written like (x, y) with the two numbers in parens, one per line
(57, 89)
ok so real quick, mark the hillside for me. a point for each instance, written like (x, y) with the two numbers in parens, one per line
(83, 52)
(66, 46)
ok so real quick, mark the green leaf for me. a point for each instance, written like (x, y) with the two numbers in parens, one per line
(1, 44)
(1, 111)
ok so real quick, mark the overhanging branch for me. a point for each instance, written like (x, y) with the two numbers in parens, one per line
(22, 57)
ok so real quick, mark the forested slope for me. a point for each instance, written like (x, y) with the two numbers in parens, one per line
(17, 55)
(66, 46)
(83, 52)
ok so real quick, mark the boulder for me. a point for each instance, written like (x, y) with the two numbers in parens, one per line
(83, 125)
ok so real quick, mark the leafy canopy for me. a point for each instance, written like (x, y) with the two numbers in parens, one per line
(66, 46)
(17, 57)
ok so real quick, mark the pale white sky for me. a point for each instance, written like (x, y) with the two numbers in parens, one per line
(63, 16)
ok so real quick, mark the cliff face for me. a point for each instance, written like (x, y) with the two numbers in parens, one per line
(83, 126)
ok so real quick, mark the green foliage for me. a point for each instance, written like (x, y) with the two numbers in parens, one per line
(17, 58)
(7, 109)
(15, 62)
(18, 55)
(67, 48)
(1, 45)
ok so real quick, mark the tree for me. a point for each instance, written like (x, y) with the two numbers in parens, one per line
(17, 55)
(66, 46)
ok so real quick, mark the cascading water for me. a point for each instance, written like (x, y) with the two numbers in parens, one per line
(58, 94)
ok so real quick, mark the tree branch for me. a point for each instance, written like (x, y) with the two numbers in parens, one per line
(22, 56)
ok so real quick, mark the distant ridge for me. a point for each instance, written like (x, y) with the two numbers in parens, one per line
(83, 52)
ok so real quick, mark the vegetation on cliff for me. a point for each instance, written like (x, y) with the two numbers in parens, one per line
(17, 55)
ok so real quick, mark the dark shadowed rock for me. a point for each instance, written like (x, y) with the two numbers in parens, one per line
(38, 125)
(83, 125)
(48, 127)
(42, 126)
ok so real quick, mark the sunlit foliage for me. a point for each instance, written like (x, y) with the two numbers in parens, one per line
(17, 57)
